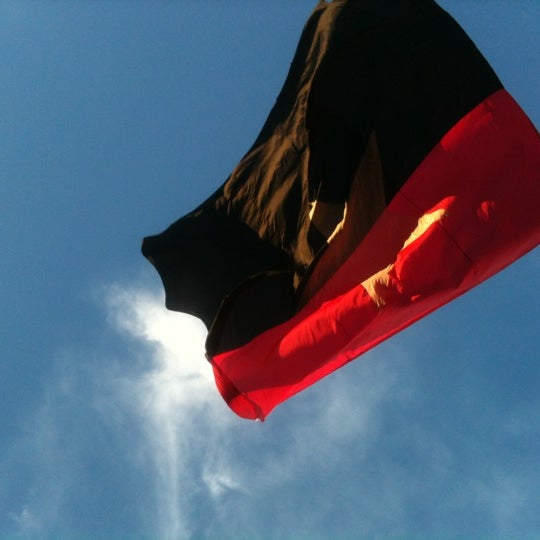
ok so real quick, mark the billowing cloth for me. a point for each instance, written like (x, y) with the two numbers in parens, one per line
(393, 174)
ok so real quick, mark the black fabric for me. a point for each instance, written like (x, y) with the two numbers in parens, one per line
(268, 298)
(201, 257)
(400, 69)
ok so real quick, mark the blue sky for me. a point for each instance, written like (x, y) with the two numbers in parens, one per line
(117, 117)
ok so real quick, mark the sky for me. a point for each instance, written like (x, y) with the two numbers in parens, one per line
(116, 118)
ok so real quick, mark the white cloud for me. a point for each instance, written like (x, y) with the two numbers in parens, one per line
(193, 438)
(26, 521)
(141, 435)
(354, 433)
(220, 482)
(174, 399)
(37, 470)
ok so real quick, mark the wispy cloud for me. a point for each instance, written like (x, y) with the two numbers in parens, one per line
(133, 438)
(38, 470)
(174, 399)
(197, 446)
(26, 522)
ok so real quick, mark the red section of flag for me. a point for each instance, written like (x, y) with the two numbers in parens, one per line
(470, 209)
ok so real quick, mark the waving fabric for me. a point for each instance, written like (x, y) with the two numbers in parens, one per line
(393, 174)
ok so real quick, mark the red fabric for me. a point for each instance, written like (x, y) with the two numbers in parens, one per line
(479, 187)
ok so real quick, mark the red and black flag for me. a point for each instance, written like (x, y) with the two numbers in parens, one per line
(393, 174)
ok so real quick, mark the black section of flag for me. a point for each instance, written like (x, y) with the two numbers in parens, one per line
(393, 75)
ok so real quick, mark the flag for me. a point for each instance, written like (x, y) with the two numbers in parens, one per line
(393, 174)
